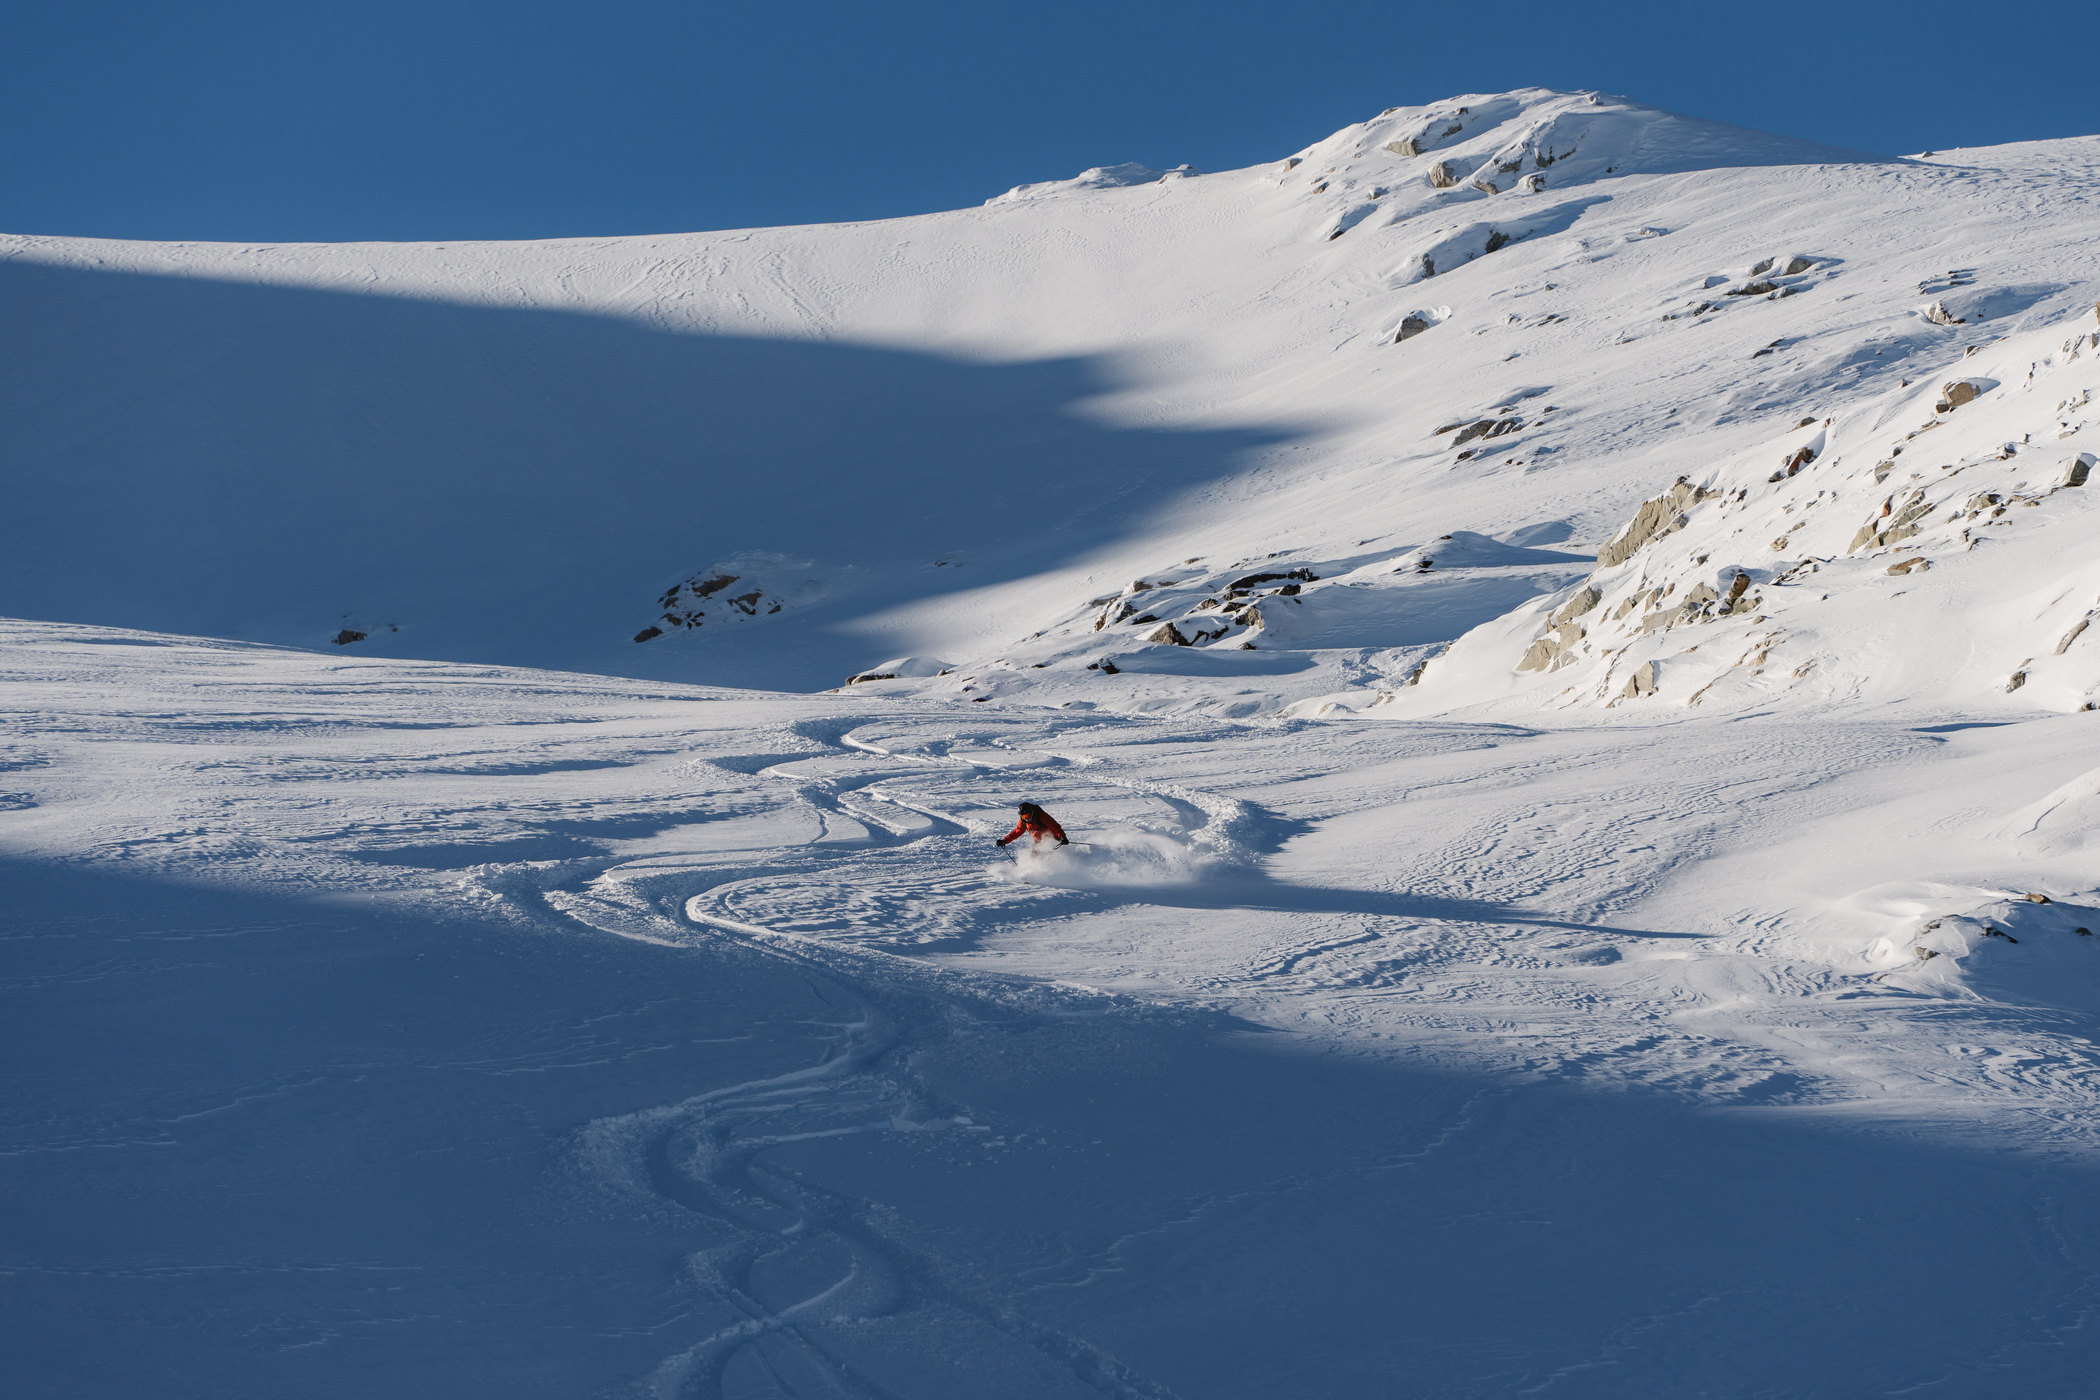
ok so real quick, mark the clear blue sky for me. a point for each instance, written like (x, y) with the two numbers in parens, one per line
(450, 119)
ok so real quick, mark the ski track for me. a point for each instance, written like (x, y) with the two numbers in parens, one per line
(1403, 975)
(1526, 933)
(1524, 907)
(1712, 913)
(706, 1157)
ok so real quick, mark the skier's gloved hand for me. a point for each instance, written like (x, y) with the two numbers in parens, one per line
(1064, 843)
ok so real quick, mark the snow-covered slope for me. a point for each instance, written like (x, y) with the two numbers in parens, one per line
(444, 1030)
(949, 433)
(1561, 632)
(1938, 545)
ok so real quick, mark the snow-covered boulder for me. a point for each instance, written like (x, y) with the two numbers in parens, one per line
(902, 668)
(746, 587)
(1101, 177)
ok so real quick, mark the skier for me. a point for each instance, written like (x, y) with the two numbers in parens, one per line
(1037, 823)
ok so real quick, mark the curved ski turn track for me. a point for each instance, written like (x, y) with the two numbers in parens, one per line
(681, 1043)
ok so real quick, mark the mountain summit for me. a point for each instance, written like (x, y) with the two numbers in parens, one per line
(785, 457)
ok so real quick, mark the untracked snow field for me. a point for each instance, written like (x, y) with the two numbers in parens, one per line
(407, 1028)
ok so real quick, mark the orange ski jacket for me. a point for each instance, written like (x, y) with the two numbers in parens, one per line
(1037, 824)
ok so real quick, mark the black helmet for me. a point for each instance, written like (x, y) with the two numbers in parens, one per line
(1030, 807)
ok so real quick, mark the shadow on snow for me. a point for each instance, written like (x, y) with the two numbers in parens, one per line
(518, 486)
(330, 1148)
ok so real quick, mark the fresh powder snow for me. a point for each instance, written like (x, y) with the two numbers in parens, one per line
(1560, 632)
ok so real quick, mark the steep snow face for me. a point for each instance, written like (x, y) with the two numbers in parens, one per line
(1883, 554)
(1936, 546)
(952, 433)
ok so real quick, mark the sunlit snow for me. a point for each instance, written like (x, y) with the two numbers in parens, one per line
(1560, 634)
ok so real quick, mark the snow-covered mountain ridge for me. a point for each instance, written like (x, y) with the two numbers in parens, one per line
(961, 427)
(1735, 543)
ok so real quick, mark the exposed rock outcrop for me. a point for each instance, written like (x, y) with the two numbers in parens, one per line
(763, 584)
(1547, 651)
(1442, 176)
(1893, 524)
(1586, 598)
(1487, 428)
(1117, 611)
(902, 668)
(1793, 462)
(1662, 516)
(1694, 608)
(1713, 605)
(1554, 649)
(1251, 581)
(1956, 392)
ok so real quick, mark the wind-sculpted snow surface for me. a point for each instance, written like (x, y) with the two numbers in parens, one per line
(450, 1030)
